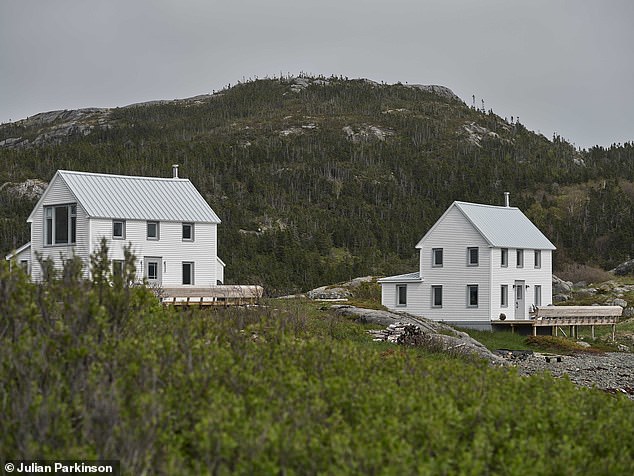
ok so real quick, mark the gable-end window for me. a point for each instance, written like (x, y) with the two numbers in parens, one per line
(520, 258)
(473, 256)
(538, 259)
(504, 257)
(436, 257)
(472, 295)
(538, 295)
(60, 224)
(188, 232)
(436, 296)
(152, 230)
(118, 229)
(188, 272)
(401, 295)
(504, 295)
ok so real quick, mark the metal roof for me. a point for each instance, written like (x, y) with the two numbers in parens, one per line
(504, 227)
(138, 198)
(401, 278)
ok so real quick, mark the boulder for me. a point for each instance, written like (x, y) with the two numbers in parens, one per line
(326, 292)
(560, 286)
(619, 302)
(560, 298)
(624, 268)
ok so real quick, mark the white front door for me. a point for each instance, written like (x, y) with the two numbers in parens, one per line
(153, 270)
(520, 300)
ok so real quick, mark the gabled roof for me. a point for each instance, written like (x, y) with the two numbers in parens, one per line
(401, 278)
(501, 227)
(136, 198)
(11, 255)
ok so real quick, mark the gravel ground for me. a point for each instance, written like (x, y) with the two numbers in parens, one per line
(612, 371)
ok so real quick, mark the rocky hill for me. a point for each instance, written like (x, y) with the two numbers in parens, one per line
(320, 179)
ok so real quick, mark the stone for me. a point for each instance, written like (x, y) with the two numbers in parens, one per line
(560, 298)
(619, 302)
(624, 268)
(581, 343)
(560, 286)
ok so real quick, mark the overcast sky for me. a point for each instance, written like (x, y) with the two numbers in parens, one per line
(564, 66)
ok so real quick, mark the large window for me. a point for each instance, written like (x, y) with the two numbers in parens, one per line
(401, 295)
(504, 295)
(504, 259)
(472, 295)
(436, 296)
(60, 224)
(188, 232)
(152, 230)
(118, 229)
(436, 257)
(473, 256)
(188, 272)
(520, 258)
(538, 259)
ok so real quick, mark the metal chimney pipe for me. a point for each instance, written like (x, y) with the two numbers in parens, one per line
(175, 171)
(507, 201)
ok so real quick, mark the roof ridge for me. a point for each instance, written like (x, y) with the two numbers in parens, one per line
(137, 177)
(485, 205)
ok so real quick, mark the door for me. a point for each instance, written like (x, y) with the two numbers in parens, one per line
(153, 267)
(520, 300)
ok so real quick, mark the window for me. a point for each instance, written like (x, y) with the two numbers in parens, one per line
(520, 258)
(118, 229)
(504, 295)
(436, 296)
(401, 295)
(188, 272)
(152, 270)
(152, 230)
(538, 259)
(60, 224)
(117, 267)
(519, 292)
(188, 232)
(24, 264)
(436, 257)
(473, 256)
(538, 295)
(504, 259)
(472, 295)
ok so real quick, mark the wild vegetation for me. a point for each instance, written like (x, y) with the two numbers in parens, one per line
(100, 370)
(319, 180)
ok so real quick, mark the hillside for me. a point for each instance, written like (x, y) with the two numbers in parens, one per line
(318, 180)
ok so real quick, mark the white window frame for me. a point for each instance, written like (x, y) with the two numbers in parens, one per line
(118, 266)
(477, 296)
(400, 303)
(469, 252)
(50, 234)
(118, 237)
(538, 294)
(519, 258)
(147, 230)
(504, 258)
(435, 253)
(504, 295)
(434, 290)
(538, 259)
(191, 273)
(191, 231)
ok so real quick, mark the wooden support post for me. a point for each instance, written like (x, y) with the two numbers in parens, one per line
(534, 330)
(592, 330)
(613, 332)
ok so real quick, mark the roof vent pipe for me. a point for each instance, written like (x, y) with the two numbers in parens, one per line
(175, 171)
(507, 199)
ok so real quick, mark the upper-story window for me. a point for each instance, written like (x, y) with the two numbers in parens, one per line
(520, 258)
(60, 224)
(538, 259)
(188, 232)
(504, 257)
(152, 230)
(436, 257)
(473, 256)
(118, 229)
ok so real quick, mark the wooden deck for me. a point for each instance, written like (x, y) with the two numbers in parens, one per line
(221, 295)
(557, 317)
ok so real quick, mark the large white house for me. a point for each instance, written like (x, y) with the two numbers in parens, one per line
(479, 264)
(170, 226)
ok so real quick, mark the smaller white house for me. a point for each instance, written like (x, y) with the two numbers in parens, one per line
(479, 264)
(170, 226)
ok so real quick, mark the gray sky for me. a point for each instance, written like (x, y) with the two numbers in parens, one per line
(564, 66)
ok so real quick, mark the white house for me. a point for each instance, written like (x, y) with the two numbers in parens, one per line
(478, 264)
(172, 229)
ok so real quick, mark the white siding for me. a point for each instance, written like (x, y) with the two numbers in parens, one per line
(508, 275)
(414, 296)
(57, 194)
(170, 248)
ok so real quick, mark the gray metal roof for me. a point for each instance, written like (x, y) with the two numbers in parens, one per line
(138, 198)
(504, 227)
(401, 278)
